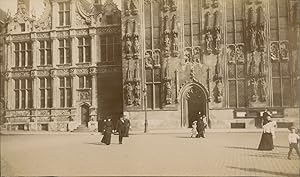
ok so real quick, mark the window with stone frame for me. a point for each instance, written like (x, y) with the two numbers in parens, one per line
(45, 53)
(85, 82)
(84, 49)
(153, 86)
(46, 92)
(281, 63)
(64, 51)
(65, 89)
(23, 93)
(236, 54)
(23, 54)
(110, 47)
(64, 13)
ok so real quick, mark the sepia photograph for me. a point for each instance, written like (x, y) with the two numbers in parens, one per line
(150, 88)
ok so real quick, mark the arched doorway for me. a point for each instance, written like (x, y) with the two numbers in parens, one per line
(85, 114)
(194, 99)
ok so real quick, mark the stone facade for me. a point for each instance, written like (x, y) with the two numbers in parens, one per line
(159, 61)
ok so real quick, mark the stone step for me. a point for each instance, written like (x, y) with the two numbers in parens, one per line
(82, 128)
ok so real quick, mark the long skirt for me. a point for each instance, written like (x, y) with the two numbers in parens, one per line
(106, 138)
(266, 142)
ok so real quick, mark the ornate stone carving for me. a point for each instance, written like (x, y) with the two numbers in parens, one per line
(218, 90)
(165, 5)
(208, 21)
(20, 74)
(251, 31)
(240, 57)
(217, 40)
(131, 7)
(33, 74)
(156, 58)
(166, 37)
(253, 68)
(208, 42)
(262, 65)
(20, 37)
(137, 93)
(173, 5)
(274, 51)
(136, 46)
(62, 34)
(192, 55)
(188, 53)
(82, 32)
(216, 3)
(108, 30)
(207, 3)
(167, 86)
(84, 95)
(231, 54)
(129, 93)
(148, 59)
(128, 47)
(43, 35)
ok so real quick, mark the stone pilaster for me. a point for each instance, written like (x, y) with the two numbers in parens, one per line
(10, 94)
(74, 48)
(93, 35)
(55, 90)
(35, 51)
(55, 52)
(75, 85)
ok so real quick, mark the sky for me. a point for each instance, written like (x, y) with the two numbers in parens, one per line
(36, 5)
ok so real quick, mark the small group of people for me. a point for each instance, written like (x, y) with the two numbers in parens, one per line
(199, 126)
(123, 127)
(266, 142)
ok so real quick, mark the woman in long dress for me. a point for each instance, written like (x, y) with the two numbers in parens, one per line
(266, 142)
(107, 132)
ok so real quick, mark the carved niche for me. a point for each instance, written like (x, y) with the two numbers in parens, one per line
(260, 34)
(166, 37)
(253, 89)
(174, 34)
(167, 86)
(137, 86)
(251, 35)
(169, 5)
(192, 55)
(217, 78)
(131, 40)
(217, 32)
(262, 89)
(152, 58)
(131, 7)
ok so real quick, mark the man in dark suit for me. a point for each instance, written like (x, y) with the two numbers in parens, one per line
(121, 129)
(127, 126)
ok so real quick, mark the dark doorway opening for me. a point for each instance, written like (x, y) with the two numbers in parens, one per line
(85, 114)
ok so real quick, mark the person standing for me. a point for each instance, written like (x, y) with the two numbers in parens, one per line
(107, 132)
(200, 126)
(127, 126)
(266, 142)
(121, 129)
(293, 142)
(194, 129)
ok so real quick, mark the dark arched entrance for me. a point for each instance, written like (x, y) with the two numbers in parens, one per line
(85, 115)
(193, 100)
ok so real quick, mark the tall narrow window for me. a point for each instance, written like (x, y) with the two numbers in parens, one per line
(64, 13)
(23, 54)
(236, 54)
(153, 84)
(23, 93)
(84, 49)
(85, 82)
(65, 89)
(46, 92)
(279, 53)
(110, 49)
(45, 53)
(64, 51)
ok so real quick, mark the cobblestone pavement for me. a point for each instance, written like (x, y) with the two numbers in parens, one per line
(220, 154)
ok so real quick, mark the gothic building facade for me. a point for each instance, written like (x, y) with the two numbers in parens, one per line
(158, 61)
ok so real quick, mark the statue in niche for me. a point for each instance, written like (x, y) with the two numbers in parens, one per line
(253, 90)
(262, 65)
(166, 27)
(128, 47)
(156, 58)
(137, 93)
(207, 3)
(133, 7)
(218, 91)
(208, 21)
(231, 54)
(274, 51)
(129, 94)
(148, 59)
(217, 75)
(216, 3)
(283, 51)
(188, 54)
(217, 19)
(240, 54)
(127, 7)
(168, 90)
(260, 36)
(208, 41)
(262, 89)
(173, 5)
(175, 45)
(166, 45)
(251, 30)
(218, 41)
(136, 46)
(253, 70)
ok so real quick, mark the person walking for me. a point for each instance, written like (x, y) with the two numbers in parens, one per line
(293, 142)
(194, 130)
(121, 129)
(107, 132)
(200, 126)
(127, 126)
(266, 142)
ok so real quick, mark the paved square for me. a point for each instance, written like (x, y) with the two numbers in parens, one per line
(220, 154)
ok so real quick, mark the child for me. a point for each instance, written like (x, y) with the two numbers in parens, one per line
(293, 141)
(194, 129)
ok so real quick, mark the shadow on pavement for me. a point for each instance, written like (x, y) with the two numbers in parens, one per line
(243, 148)
(280, 146)
(264, 171)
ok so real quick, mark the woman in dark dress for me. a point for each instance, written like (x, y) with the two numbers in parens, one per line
(266, 142)
(107, 132)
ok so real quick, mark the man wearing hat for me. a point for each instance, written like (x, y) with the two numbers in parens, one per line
(121, 129)
(293, 142)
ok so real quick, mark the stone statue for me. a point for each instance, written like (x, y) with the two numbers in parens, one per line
(135, 45)
(127, 7)
(165, 5)
(156, 58)
(218, 40)
(218, 91)
(260, 38)
(137, 93)
(148, 59)
(133, 7)
(128, 46)
(166, 44)
(208, 41)
(173, 5)
(129, 94)
(253, 89)
(168, 92)
(175, 44)
(262, 65)
(262, 90)
(253, 70)
(283, 50)
(252, 38)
